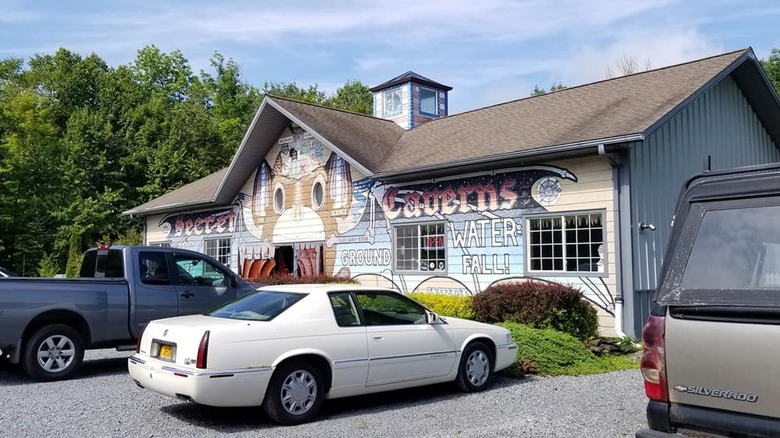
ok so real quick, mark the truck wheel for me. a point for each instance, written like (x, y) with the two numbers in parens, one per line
(54, 352)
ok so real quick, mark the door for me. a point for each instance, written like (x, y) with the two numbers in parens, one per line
(155, 295)
(200, 284)
(402, 346)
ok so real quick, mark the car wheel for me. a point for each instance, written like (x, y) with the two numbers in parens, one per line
(54, 352)
(295, 393)
(475, 368)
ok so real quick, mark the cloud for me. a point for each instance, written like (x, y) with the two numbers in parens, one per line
(659, 47)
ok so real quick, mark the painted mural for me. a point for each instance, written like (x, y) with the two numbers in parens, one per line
(310, 212)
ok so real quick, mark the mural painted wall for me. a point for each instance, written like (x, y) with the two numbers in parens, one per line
(307, 211)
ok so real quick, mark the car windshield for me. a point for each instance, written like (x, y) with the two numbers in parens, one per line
(258, 306)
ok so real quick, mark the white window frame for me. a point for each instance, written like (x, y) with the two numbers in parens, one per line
(418, 253)
(561, 248)
(165, 244)
(435, 92)
(218, 249)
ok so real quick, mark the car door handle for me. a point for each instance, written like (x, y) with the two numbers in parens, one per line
(187, 294)
(377, 338)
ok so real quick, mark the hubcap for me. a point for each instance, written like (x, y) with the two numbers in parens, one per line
(477, 368)
(299, 391)
(56, 353)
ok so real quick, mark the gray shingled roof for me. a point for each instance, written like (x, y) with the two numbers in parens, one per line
(410, 76)
(615, 110)
(191, 195)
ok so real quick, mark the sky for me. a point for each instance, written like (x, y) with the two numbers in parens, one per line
(489, 51)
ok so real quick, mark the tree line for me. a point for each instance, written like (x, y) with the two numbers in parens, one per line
(81, 141)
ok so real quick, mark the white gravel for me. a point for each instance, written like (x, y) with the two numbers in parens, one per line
(104, 402)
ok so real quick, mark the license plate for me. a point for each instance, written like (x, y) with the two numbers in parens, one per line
(166, 352)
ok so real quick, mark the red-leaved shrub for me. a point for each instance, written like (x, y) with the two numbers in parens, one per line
(538, 304)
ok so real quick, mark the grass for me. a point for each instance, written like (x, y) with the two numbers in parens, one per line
(548, 352)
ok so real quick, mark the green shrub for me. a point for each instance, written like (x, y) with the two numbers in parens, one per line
(291, 279)
(538, 304)
(552, 353)
(446, 305)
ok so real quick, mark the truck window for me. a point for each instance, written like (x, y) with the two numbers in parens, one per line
(153, 268)
(735, 249)
(193, 270)
(88, 264)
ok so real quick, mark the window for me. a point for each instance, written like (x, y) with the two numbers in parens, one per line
(420, 248)
(192, 270)
(153, 268)
(161, 244)
(279, 199)
(392, 102)
(566, 243)
(258, 306)
(317, 195)
(735, 249)
(429, 101)
(219, 249)
(381, 308)
(344, 309)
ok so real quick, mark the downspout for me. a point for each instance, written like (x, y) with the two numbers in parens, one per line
(615, 165)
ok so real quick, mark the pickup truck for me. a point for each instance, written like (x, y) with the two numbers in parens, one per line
(47, 324)
(711, 358)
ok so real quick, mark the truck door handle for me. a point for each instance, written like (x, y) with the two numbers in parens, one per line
(187, 294)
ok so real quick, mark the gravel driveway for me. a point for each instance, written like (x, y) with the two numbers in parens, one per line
(104, 402)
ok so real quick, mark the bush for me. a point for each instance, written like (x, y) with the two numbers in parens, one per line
(552, 353)
(538, 304)
(446, 305)
(291, 279)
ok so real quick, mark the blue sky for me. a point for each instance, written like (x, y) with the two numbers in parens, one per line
(489, 51)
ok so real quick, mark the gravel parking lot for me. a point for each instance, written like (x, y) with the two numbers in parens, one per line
(104, 402)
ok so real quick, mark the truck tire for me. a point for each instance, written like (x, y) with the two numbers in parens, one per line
(54, 352)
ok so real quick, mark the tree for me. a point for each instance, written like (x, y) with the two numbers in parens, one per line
(292, 91)
(554, 87)
(626, 65)
(772, 68)
(353, 96)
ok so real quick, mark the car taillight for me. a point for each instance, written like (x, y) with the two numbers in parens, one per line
(653, 364)
(203, 351)
(138, 342)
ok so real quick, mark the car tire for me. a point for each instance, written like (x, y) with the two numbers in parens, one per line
(476, 368)
(54, 352)
(295, 393)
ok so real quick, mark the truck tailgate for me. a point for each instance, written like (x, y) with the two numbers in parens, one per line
(730, 365)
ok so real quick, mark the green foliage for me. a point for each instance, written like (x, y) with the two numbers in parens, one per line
(446, 305)
(311, 279)
(538, 304)
(74, 257)
(552, 353)
(353, 96)
(48, 266)
(772, 68)
(554, 87)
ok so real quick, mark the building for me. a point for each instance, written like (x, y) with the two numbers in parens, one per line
(576, 186)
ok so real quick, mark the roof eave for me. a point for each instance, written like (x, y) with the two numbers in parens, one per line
(176, 206)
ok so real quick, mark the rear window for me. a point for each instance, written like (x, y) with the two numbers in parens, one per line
(102, 263)
(258, 306)
(727, 253)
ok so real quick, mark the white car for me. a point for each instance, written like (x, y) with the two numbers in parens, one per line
(289, 347)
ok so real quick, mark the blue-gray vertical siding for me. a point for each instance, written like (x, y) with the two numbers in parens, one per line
(720, 123)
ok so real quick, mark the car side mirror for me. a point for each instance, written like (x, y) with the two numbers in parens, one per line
(430, 317)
